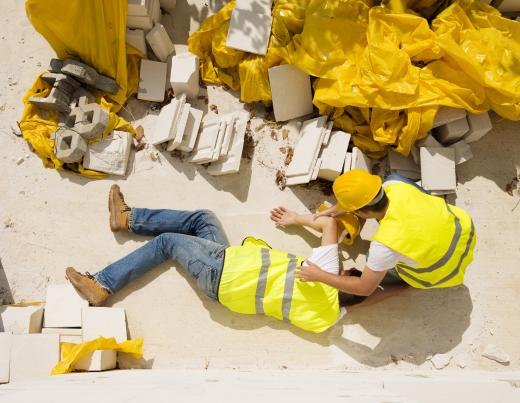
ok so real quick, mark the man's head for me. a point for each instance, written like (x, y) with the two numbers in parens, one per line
(361, 193)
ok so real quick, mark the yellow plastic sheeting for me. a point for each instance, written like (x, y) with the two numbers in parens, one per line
(71, 353)
(381, 75)
(94, 32)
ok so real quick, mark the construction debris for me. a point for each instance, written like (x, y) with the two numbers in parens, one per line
(109, 155)
(497, 354)
(152, 81)
(160, 42)
(438, 170)
(184, 74)
(333, 155)
(63, 306)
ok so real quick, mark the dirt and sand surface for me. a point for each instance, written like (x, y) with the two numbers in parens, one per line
(50, 220)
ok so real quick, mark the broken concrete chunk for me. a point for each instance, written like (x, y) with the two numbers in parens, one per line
(106, 84)
(104, 322)
(144, 22)
(184, 74)
(56, 65)
(81, 71)
(445, 115)
(249, 31)
(452, 132)
(462, 152)
(21, 320)
(205, 144)
(99, 360)
(55, 101)
(348, 162)
(135, 38)
(91, 120)
(333, 156)
(53, 78)
(220, 139)
(63, 306)
(179, 127)
(164, 124)
(152, 85)
(160, 42)
(109, 155)
(360, 160)
(228, 136)
(291, 92)
(192, 130)
(5, 355)
(69, 146)
(497, 354)
(438, 169)
(441, 361)
(33, 356)
(479, 125)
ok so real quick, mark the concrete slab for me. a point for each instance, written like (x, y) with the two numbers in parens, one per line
(347, 166)
(111, 154)
(291, 92)
(255, 6)
(360, 160)
(249, 31)
(160, 42)
(220, 139)
(5, 355)
(479, 126)
(163, 130)
(21, 319)
(404, 166)
(333, 155)
(103, 322)
(99, 360)
(33, 356)
(192, 130)
(152, 81)
(63, 306)
(184, 74)
(80, 71)
(451, 132)
(205, 144)
(438, 169)
(135, 38)
(179, 127)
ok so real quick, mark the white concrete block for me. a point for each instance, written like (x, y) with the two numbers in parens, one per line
(308, 147)
(228, 136)
(255, 6)
(63, 306)
(104, 322)
(299, 179)
(139, 22)
(327, 132)
(316, 170)
(462, 152)
(66, 331)
(67, 338)
(179, 127)
(333, 155)
(360, 160)
(348, 162)
(428, 141)
(138, 7)
(445, 115)
(452, 132)
(21, 320)
(155, 11)
(160, 42)
(184, 74)
(135, 38)
(99, 360)
(205, 144)
(192, 130)
(231, 162)
(33, 356)
(220, 139)
(404, 166)
(165, 124)
(111, 154)
(438, 169)
(291, 92)
(479, 125)
(5, 355)
(152, 81)
(249, 31)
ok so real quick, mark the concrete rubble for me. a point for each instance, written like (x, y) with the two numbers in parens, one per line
(497, 354)
(184, 74)
(109, 155)
(152, 81)
(160, 42)
(333, 155)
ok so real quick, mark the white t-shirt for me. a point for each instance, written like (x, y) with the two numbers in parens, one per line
(381, 257)
(327, 258)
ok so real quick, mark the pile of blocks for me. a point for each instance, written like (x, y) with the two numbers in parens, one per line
(142, 14)
(30, 336)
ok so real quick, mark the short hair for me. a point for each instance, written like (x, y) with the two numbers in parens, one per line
(349, 299)
(381, 205)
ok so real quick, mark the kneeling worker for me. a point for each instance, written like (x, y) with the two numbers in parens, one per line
(427, 242)
(250, 279)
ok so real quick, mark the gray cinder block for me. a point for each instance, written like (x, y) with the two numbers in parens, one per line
(106, 84)
(91, 120)
(55, 101)
(69, 146)
(81, 71)
(56, 65)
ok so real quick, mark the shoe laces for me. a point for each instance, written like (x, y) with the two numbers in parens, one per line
(125, 206)
(90, 276)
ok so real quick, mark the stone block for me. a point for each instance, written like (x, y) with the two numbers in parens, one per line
(255, 6)
(445, 115)
(451, 132)
(56, 65)
(55, 101)
(220, 139)
(67, 335)
(192, 130)
(138, 7)
(135, 38)
(63, 306)
(144, 22)
(249, 31)
(109, 155)
(81, 97)
(179, 127)
(438, 169)
(21, 319)
(228, 135)
(333, 155)
(404, 166)
(103, 322)
(91, 120)
(360, 160)
(152, 81)
(316, 169)
(106, 84)
(462, 152)
(99, 360)
(166, 122)
(69, 146)
(348, 162)
(479, 125)
(291, 92)
(53, 78)
(33, 356)
(205, 144)
(80, 71)
(155, 11)
(184, 74)
(5, 354)
(160, 42)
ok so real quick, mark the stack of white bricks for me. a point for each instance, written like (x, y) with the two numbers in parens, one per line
(142, 14)
(29, 351)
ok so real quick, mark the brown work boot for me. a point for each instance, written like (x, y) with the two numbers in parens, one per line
(119, 211)
(87, 286)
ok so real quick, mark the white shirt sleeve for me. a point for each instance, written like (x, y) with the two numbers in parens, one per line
(326, 257)
(382, 258)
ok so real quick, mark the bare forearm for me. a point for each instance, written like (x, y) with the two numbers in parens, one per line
(308, 220)
(349, 284)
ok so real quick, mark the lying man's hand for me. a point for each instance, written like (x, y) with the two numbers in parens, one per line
(310, 272)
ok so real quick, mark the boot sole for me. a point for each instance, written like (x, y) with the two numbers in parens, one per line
(112, 206)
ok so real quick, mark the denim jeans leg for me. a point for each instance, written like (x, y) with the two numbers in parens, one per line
(200, 223)
(202, 258)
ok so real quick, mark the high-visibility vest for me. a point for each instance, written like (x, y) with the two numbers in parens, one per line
(438, 236)
(259, 280)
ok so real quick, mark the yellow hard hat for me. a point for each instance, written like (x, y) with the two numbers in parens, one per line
(355, 189)
(348, 225)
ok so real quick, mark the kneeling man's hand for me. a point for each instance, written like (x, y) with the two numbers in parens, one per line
(310, 273)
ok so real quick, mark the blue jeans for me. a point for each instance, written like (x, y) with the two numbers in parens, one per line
(194, 239)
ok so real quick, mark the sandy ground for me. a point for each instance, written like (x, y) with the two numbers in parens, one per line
(50, 220)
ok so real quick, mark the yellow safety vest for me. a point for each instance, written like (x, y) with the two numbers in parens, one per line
(437, 235)
(259, 280)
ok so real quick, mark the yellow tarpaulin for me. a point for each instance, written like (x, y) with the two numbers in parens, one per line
(381, 75)
(94, 32)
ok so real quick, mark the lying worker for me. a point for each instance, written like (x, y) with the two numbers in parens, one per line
(249, 279)
(427, 242)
